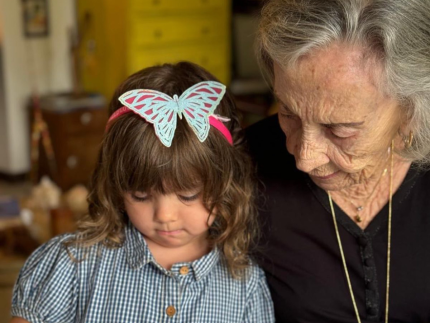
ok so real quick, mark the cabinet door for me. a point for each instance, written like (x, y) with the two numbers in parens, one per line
(76, 137)
(77, 161)
(85, 121)
(215, 58)
(153, 32)
(102, 49)
(157, 7)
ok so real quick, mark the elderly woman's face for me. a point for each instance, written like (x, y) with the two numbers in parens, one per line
(338, 123)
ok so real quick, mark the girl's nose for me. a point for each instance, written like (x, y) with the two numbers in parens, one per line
(165, 210)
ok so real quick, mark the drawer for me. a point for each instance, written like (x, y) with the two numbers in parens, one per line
(77, 159)
(176, 6)
(215, 59)
(82, 121)
(86, 121)
(177, 30)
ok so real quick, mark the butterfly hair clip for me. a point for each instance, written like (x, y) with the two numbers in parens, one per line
(197, 105)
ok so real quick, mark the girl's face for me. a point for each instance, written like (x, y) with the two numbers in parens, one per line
(173, 220)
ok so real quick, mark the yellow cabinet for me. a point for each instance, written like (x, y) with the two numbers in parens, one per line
(155, 7)
(153, 32)
(210, 57)
(122, 37)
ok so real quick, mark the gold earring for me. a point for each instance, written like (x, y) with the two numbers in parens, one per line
(408, 140)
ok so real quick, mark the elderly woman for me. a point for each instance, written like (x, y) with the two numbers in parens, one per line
(346, 218)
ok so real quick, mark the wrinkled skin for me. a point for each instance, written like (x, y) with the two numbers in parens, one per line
(339, 124)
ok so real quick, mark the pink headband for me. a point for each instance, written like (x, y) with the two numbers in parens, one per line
(214, 120)
(196, 104)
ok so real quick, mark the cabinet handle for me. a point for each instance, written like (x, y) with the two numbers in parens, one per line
(158, 33)
(86, 118)
(72, 162)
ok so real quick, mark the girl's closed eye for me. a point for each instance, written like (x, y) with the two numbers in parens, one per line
(139, 196)
(188, 196)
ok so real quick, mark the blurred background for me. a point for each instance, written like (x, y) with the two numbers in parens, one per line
(60, 61)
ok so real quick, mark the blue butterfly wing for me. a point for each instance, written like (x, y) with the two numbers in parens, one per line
(156, 108)
(199, 102)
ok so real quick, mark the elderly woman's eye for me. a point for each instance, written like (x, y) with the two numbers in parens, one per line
(336, 136)
(288, 115)
(284, 112)
(339, 134)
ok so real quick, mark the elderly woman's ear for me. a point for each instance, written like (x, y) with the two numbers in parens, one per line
(406, 128)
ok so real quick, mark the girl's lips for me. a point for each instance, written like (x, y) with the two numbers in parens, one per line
(328, 176)
(169, 233)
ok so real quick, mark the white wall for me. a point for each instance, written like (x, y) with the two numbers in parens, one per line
(28, 63)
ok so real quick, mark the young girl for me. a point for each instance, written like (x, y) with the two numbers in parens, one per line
(171, 216)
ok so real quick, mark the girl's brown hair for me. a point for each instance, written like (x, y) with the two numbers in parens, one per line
(132, 158)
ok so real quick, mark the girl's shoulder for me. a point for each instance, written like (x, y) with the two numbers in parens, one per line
(50, 282)
(59, 251)
(47, 283)
(49, 254)
(250, 276)
(250, 289)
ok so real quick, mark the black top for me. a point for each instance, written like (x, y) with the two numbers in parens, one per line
(301, 257)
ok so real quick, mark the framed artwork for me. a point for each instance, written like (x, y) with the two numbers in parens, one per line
(35, 15)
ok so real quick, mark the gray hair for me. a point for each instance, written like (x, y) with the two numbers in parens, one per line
(395, 32)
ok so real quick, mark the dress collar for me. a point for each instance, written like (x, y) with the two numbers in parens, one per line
(139, 255)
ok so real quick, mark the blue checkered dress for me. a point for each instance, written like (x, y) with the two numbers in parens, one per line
(127, 285)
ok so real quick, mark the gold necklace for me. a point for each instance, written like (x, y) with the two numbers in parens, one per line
(360, 208)
(387, 291)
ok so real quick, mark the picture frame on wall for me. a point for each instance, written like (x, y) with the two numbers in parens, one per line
(35, 17)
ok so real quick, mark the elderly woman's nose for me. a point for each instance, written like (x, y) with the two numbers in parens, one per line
(309, 156)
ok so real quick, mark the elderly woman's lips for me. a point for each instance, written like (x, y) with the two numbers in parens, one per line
(327, 176)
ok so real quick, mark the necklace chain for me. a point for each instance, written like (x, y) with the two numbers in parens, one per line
(387, 291)
(360, 208)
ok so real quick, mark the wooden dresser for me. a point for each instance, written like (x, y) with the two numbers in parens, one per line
(76, 137)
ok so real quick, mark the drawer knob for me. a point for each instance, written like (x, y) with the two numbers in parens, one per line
(158, 33)
(205, 30)
(86, 118)
(72, 162)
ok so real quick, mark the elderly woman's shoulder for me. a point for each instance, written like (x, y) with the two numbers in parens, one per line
(266, 144)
